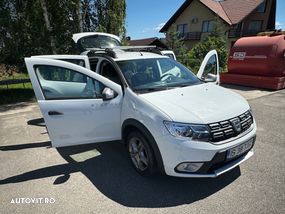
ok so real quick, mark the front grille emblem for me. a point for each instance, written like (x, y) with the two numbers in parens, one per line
(236, 125)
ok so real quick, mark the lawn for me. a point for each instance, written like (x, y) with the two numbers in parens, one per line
(21, 92)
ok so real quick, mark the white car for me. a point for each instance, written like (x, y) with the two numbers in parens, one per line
(171, 120)
(93, 40)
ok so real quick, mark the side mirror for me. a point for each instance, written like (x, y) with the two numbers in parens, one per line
(108, 94)
(211, 78)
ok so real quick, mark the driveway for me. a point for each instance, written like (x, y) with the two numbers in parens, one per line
(100, 179)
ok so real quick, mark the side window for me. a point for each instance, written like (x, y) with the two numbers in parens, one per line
(93, 63)
(107, 70)
(211, 69)
(63, 83)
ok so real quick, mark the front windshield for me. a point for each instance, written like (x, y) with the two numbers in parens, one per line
(144, 75)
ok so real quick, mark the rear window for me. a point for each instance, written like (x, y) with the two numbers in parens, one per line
(97, 41)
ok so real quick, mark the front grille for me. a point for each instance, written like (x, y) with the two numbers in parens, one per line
(230, 128)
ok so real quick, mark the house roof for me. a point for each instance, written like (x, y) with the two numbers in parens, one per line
(147, 41)
(231, 11)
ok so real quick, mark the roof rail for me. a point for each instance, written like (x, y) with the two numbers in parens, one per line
(111, 51)
(102, 51)
(149, 48)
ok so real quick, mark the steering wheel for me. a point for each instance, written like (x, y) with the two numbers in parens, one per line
(166, 76)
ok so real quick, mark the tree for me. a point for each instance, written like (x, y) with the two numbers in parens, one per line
(47, 24)
(35, 27)
(111, 15)
(87, 15)
(176, 44)
(215, 40)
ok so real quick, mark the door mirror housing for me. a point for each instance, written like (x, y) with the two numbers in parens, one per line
(209, 70)
(108, 94)
(210, 78)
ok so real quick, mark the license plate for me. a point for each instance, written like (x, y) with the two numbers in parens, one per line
(240, 149)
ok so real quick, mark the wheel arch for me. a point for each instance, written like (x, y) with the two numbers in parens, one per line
(131, 125)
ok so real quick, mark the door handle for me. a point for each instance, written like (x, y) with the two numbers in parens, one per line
(51, 113)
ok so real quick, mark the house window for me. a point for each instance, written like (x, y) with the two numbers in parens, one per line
(182, 29)
(262, 7)
(208, 26)
(255, 26)
(235, 30)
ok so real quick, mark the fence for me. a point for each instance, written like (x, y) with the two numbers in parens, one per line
(14, 81)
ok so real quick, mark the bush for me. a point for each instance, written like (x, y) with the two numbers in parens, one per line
(199, 51)
(216, 40)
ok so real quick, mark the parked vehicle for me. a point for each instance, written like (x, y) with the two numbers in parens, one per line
(91, 40)
(257, 61)
(88, 40)
(169, 53)
(171, 120)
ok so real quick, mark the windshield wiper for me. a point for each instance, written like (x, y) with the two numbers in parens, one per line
(184, 85)
(188, 84)
(153, 89)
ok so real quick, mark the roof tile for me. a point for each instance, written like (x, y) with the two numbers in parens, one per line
(231, 11)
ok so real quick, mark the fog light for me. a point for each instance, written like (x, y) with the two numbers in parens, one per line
(189, 167)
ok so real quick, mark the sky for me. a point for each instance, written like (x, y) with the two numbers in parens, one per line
(146, 17)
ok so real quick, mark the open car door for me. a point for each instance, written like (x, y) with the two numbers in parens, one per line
(79, 106)
(209, 69)
(75, 59)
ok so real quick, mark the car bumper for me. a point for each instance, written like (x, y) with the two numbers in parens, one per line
(175, 151)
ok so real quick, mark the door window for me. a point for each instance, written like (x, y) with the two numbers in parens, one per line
(211, 69)
(107, 70)
(63, 83)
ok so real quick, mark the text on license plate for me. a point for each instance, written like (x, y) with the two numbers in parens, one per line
(238, 150)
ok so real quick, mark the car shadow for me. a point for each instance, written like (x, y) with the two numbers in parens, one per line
(106, 165)
(46, 144)
(112, 174)
(244, 88)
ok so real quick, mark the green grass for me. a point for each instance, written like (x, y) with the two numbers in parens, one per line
(16, 93)
(15, 76)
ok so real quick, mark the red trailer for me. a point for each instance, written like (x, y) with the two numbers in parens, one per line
(258, 62)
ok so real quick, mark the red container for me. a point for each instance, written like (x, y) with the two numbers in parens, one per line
(259, 55)
(273, 83)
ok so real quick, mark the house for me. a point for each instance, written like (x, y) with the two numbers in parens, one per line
(148, 41)
(194, 20)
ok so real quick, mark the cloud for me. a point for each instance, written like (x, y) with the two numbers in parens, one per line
(159, 26)
(279, 25)
(145, 30)
(153, 30)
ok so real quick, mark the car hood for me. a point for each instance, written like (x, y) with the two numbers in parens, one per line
(202, 104)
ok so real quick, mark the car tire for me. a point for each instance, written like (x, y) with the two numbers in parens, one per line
(141, 154)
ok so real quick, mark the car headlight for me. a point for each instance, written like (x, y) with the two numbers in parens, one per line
(189, 131)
